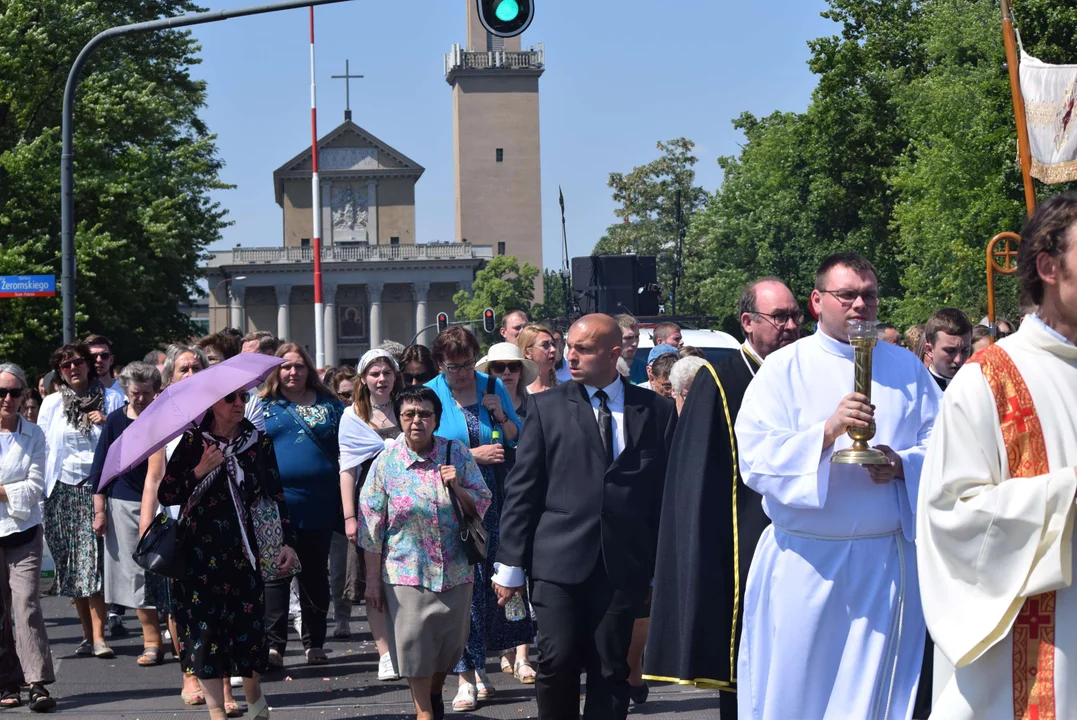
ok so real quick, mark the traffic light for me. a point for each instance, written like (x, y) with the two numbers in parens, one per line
(443, 322)
(506, 18)
(488, 320)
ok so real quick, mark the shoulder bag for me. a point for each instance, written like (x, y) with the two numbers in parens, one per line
(472, 533)
(160, 549)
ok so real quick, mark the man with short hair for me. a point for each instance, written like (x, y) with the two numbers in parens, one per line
(996, 504)
(512, 323)
(260, 341)
(560, 366)
(832, 620)
(658, 372)
(656, 352)
(711, 521)
(629, 343)
(947, 344)
(219, 347)
(668, 333)
(889, 333)
(101, 354)
(581, 516)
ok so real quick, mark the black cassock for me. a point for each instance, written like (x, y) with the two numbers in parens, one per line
(704, 547)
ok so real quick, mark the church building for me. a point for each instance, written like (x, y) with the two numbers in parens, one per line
(379, 281)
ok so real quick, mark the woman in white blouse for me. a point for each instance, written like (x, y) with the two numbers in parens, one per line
(72, 419)
(22, 485)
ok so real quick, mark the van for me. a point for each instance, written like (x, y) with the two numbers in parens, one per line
(715, 344)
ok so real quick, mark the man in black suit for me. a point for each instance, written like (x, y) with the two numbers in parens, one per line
(581, 515)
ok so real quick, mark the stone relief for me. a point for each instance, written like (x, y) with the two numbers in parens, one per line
(348, 159)
(351, 208)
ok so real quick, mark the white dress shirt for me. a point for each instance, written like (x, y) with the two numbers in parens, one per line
(513, 577)
(22, 473)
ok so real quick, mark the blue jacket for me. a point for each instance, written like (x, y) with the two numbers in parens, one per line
(454, 426)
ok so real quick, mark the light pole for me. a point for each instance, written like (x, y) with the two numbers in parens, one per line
(222, 282)
(67, 156)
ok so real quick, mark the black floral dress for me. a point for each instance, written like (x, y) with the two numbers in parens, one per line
(220, 603)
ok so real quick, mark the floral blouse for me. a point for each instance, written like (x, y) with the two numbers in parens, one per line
(408, 517)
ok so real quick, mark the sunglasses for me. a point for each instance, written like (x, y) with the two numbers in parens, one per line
(410, 415)
(500, 367)
(345, 395)
(415, 378)
(230, 398)
(73, 363)
(101, 356)
(5, 393)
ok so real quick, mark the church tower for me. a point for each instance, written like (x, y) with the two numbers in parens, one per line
(495, 85)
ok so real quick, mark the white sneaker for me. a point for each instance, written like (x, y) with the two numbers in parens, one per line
(386, 671)
(237, 681)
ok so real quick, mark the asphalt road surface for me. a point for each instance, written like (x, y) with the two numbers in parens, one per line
(347, 687)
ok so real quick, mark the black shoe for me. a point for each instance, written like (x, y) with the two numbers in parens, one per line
(438, 701)
(40, 700)
(639, 693)
(115, 627)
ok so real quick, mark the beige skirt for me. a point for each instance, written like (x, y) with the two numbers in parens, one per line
(427, 630)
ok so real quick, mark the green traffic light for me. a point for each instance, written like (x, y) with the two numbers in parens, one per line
(507, 10)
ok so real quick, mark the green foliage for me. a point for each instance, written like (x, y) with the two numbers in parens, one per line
(906, 154)
(553, 305)
(647, 197)
(144, 164)
(502, 285)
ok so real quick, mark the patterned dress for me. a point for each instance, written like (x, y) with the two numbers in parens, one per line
(220, 603)
(491, 632)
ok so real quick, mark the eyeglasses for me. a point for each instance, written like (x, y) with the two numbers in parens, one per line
(100, 356)
(12, 392)
(348, 395)
(848, 297)
(500, 367)
(411, 415)
(415, 378)
(73, 363)
(782, 319)
(230, 398)
(454, 368)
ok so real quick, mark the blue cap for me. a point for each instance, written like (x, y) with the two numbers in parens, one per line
(658, 351)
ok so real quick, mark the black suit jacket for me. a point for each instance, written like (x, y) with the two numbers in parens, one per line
(563, 505)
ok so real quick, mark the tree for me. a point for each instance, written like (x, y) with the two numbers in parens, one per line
(553, 305)
(144, 165)
(647, 197)
(502, 285)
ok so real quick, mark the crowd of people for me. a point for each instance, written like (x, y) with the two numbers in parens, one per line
(695, 528)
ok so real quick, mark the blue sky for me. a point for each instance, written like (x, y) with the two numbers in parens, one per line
(621, 75)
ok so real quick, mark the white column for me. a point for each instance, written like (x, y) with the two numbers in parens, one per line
(421, 290)
(375, 288)
(236, 294)
(329, 296)
(372, 212)
(284, 320)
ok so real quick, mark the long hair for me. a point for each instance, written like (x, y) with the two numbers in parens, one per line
(271, 390)
(364, 408)
(527, 338)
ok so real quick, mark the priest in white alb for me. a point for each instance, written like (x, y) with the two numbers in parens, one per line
(832, 621)
(995, 539)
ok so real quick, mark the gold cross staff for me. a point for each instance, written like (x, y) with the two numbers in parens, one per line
(347, 77)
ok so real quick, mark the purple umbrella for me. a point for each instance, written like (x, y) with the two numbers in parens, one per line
(180, 406)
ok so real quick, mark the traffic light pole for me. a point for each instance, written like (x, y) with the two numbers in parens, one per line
(67, 158)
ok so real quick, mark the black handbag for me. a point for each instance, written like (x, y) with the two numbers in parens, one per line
(160, 549)
(472, 534)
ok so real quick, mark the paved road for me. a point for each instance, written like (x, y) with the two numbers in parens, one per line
(347, 687)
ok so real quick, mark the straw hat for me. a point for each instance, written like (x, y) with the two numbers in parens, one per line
(508, 352)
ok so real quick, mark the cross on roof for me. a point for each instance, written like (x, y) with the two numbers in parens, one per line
(347, 77)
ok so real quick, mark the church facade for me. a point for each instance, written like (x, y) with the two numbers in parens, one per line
(378, 281)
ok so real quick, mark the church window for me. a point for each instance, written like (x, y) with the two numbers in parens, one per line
(501, 155)
(501, 248)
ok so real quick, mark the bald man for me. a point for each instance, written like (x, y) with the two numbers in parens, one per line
(581, 514)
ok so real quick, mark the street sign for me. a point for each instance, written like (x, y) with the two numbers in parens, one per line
(13, 286)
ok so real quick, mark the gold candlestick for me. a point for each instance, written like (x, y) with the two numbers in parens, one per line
(862, 336)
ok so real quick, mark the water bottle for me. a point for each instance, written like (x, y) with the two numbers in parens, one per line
(516, 608)
(496, 435)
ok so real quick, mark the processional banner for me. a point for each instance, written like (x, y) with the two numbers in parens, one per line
(1050, 93)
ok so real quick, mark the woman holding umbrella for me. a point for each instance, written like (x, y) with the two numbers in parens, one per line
(216, 473)
(72, 420)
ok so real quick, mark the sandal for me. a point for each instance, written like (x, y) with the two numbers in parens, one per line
(483, 688)
(193, 698)
(523, 672)
(231, 709)
(506, 664)
(10, 698)
(465, 700)
(316, 656)
(40, 700)
(276, 660)
(151, 655)
(258, 710)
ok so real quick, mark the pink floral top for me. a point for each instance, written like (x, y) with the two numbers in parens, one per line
(408, 518)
